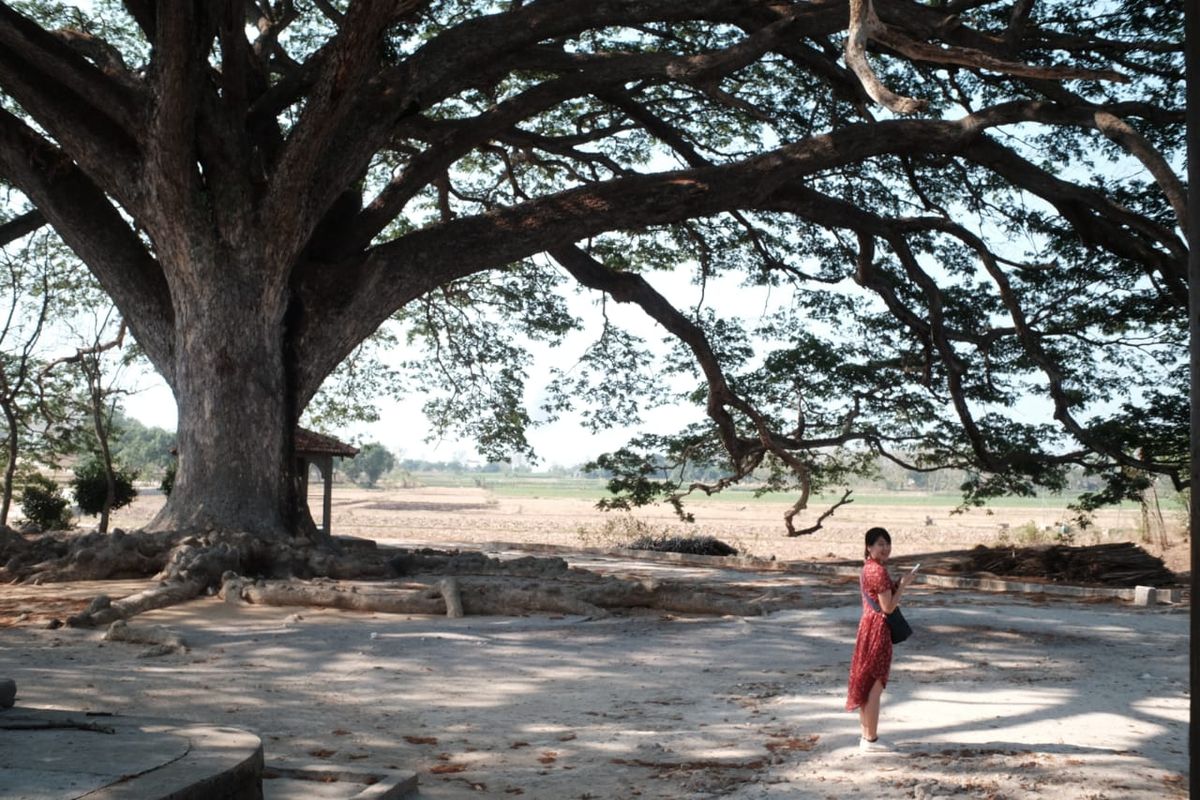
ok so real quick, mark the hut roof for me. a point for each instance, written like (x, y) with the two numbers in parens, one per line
(311, 443)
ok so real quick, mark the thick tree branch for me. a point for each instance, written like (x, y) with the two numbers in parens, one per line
(398, 271)
(88, 223)
(19, 226)
(327, 147)
(90, 115)
(177, 79)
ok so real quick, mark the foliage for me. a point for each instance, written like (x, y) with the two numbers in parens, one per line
(43, 503)
(142, 448)
(352, 392)
(168, 479)
(372, 462)
(90, 487)
(36, 409)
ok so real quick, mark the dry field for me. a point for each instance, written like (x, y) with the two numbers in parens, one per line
(466, 516)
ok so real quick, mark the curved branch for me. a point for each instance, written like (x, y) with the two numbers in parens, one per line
(1123, 134)
(605, 76)
(977, 59)
(1098, 221)
(865, 25)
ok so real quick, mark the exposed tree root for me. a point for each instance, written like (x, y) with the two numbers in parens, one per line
(347, 574)
(163, 641)
(584, 593)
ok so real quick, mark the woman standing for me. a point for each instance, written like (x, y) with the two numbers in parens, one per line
(873, 648)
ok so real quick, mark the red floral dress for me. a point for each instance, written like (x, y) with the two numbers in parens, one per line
(872, 658)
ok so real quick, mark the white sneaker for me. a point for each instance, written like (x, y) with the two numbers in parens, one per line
(867, 746)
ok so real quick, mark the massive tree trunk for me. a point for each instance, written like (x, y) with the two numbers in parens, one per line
(235, 421)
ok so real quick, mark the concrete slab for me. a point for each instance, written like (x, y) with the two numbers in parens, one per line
(329, 782)
(51, 754)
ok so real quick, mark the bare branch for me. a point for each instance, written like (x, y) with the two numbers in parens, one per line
(116, 343)
(816, 526)
(865, 25)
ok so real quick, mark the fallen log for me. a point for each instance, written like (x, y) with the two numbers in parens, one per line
(403, 599)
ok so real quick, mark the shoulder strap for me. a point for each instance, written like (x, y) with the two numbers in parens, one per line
(862, 587)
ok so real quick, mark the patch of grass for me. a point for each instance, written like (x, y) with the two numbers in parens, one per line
(563, 488)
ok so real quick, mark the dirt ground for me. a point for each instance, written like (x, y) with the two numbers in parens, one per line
(469, 516)
(996, 696)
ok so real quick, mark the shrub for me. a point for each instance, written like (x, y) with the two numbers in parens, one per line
(168, 481)
(44, 505)
(692, 545)
(90, 487)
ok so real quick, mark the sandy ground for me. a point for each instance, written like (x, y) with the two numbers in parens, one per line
(995, 696)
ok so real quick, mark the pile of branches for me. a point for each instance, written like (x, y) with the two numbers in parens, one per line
(1118, 564)
(691, 545)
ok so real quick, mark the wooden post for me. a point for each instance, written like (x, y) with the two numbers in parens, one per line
(327, 501)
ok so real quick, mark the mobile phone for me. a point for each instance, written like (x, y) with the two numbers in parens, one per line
(916, 566)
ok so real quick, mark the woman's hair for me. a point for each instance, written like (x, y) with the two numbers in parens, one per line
(873, 536)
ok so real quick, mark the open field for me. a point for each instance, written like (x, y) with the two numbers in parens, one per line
(562, 512)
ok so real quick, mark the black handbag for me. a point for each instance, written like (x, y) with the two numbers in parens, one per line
(896, 622)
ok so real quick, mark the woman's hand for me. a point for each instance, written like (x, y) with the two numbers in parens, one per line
(908, 578)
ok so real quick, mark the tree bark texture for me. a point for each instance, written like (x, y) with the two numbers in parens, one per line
(235, 469)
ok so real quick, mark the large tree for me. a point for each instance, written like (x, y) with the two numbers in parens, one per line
(969, 202)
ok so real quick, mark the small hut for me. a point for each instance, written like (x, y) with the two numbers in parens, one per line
(319, 450)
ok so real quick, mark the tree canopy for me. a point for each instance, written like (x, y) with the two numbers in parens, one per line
(961, 207)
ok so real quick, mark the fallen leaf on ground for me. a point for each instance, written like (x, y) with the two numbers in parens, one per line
(421, 739)
(447, 769)
(793, 743)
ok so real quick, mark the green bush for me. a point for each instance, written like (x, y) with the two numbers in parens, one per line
(44, 505)
(372, 462)
(90, 487)
(168, 481)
